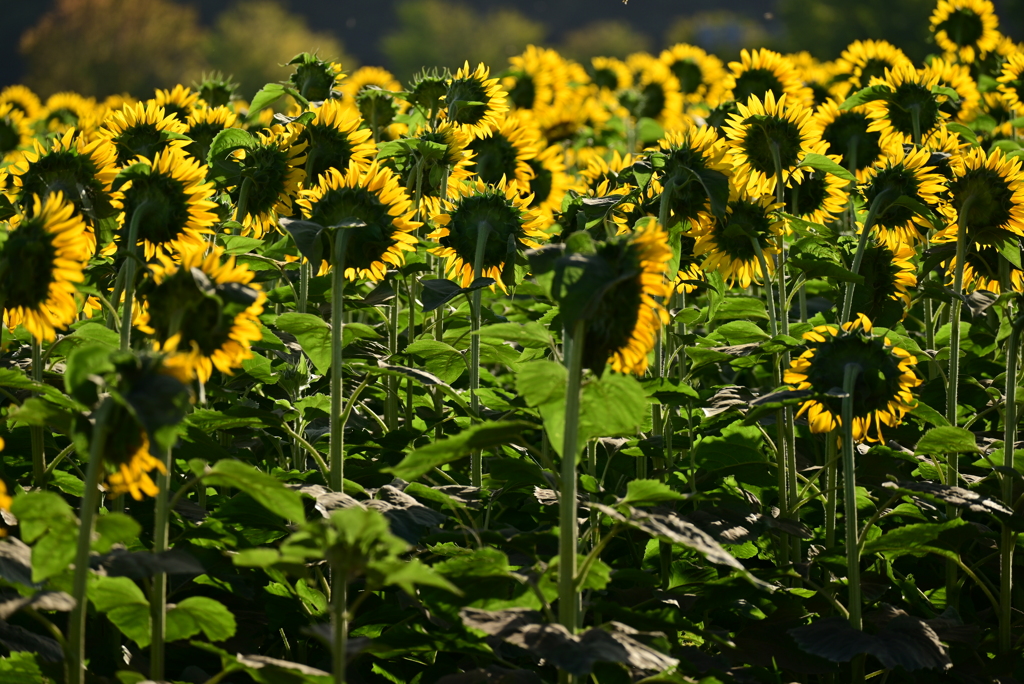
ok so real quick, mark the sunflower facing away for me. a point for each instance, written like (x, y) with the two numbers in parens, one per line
(817, 196)
(624, 326)
(728, 242)
(14, 130)
(889, 275)
(883, 392)
(688, 157)
(466, 89)
(699, 74)
(863, 60)
(335, 139)
(512, 227)
(762, 71)
(506, 153)
(1011, 81)
(178, 101)
(903, 171)
(376, 198)
(204, 123)
(41, 262)
(274, 167)
(911, 112)
(142, 130)
(426, 176)
(202, 311)
(966, 28)
(132, 467)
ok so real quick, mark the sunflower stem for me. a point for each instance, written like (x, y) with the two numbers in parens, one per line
(243, 201)
(86, 515)
(831, 482)
(1007, 546)
(915, 123)
(340, 619)
(850, 373)
(130, 266)
(37, 434)
(158, 597)
(337, 426)
(305, 271)
(568, 597)
(773, 321)
(482, 234)
(874, 210)
(409, 336)
(391, 405)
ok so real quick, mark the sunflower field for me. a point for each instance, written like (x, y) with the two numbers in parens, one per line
(659, 369)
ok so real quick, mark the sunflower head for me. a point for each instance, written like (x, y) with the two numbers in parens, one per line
(889, 275)
(216, 89)
(204, 123)
(178, 101)
(846, 134)
(22, 100)
(313, 77)
(699, 74)
(14, 129)
(610, 74)
(505, 152)
(910, 111)
(41, 262)
(903, 171)
(143, 130)
(378, 211)
(428, 89)
(1011, 81)
(274, 168)
(441, 151)
(377, 107)
(727, 244)
(816, 196)
(966, 28)
(694, 161)
(762, 71)
(864, 60)
(474, 100)
(497, 214)
(882, 393)
(335, 139)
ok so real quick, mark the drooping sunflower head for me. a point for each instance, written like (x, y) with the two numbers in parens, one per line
(1011, 81)
(425, 175)
(274, 167)
(624, 325)
(334, 139)
(82, 172)
(903, 171)
(202, 311)
(863, 60)
(966, 28)
(374, 197)
(497, 214)
(22, 100)
(378, 109)
(203, 125)
(504, 153)
(171, 201)
(14, 130)
(474, 101)
(700, 75)
(763, 71)
(41, 262)
(727, 244)
(132, 464)
(911, 111)
(889, 275)
(315, 78)
(142, 130)
(882, 392)
(767, 133)
(693, 160)
(216, 89)
(179, 101)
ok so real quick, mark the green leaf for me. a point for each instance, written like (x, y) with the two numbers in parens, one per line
(947, 91)
(865, 95)
(929, 415)
(947, 440)
(964, 132)
(483, 436)
(48, 523)
(197, 613)
(408, 574)
(439, 358)
(313, 334)
(531, 335)
(740, 308)
(267, 96)
(307, 236)
(644, 492)
(84, 363)
(823, 163)
(738, 445)
(20, 667)
(913, 539)
(125, 605)
(267, 490)
(741, 332)
(115, 528)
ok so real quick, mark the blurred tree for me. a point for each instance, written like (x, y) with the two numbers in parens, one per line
(605, 39)
(442, 33)
(103, 47)
(825, 27)
(253, 39)
(721, 32)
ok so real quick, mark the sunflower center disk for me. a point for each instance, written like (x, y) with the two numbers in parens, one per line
(762, 132)
(873, 390)
(366, 244)
(29, 268)
(963, 27)
(466, 222)
(495, 157)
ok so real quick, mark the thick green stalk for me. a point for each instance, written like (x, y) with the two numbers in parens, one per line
(1008, 542)
(391, 403)
(568, 598)
(873, 211)
(831, 482)
(339, 619)
(158, 596)
(337, 443)
(482, 234)
(305, 269)
(130, 267)
(90, 501)
(773, 320)
(36, 432)
(410, 335)
(243, 200)
(850, 513)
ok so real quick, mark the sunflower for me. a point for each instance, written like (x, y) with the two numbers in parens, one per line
(510, 225)
(609, 74)
(958, 78)
(68, 110)
(728, 242)
(903, 171)
(966, 28)
(550, 182)
(505, 153)
(691, 159)
(846, 134)
(1011, 81)
(179, 101)
(14, 130)
(315, 78)
(990, 189)
(427, 89)
(429, 180)
(911, 111)
(656, 94)
(597, 170)
(690, 272)
(202, 323)
(41, 261)
(335, 139)
(537, 78)
(761, 72)
(882, 393)
(177, 202)
(368, 77)
(864, 60)
(762, 133)
(142, 130)
(817, 196)
(203, 125)
(889, 275)
(216, 89)
(700, 75)
(23, 100)
(375, 197)
(817, 77)
(133, 468)
(274, 169)
(465, 89)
